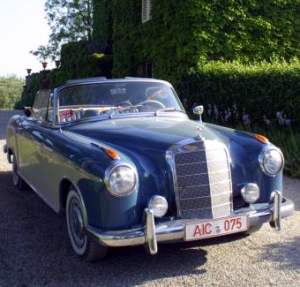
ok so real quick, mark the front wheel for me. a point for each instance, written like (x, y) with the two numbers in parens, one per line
(83, 246)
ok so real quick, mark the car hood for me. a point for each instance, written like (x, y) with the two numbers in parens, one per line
(147, 133)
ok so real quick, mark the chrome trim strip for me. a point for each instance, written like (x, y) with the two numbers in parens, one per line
(215, 195)
(228, 206)
(201, 161)
(216, 172)
(200, 185)
(171, 161)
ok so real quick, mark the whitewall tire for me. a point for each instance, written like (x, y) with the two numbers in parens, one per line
(83, 246)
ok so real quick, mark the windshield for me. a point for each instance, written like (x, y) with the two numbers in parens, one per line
(90, 100)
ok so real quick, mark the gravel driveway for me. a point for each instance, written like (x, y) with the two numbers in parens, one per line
(35, 252)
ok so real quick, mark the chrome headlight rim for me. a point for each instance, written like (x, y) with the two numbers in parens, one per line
(261, 160)
(109, 171)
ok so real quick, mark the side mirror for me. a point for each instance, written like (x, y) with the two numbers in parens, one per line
(27, 111)
(199, 110)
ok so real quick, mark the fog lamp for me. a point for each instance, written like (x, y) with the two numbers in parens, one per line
(159, 205)
(250, 192)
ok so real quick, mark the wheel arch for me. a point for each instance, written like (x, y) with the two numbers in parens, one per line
(64, 188)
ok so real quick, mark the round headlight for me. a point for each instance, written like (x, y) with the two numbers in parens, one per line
(121, 180)
(159, 205)
(250, 192)
(271, 161)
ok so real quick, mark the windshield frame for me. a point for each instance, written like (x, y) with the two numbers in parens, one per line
(112, 115)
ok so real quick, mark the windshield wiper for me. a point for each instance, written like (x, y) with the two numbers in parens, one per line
(123, 109)
(167, 110)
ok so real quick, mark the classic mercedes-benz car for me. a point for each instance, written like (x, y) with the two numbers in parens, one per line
(128, 167)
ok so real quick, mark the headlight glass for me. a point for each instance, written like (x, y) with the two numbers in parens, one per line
(121, 180)
(271, 161)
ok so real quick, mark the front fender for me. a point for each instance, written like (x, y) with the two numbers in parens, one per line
(244, 151)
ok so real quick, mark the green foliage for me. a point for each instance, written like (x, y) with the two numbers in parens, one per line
(78, 60)
(288, 141)
(10, 91)
(34, 82)
(259, 90)
(102, 22)
(69, 21)
(185, 34)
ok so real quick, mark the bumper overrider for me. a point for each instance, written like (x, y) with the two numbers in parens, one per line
(174, 230)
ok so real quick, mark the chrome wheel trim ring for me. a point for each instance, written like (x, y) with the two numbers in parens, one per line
(15, 176)
(75, 224)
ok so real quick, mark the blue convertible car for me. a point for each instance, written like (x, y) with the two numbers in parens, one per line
(128, 167)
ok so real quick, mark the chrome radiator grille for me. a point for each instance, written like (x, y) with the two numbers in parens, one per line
(202, 180)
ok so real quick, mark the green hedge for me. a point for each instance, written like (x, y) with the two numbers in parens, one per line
(78, 60)
(102, 22)
(183, 34)
(10, 91)
(257, 90)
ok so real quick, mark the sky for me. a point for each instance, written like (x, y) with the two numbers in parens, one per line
(23, 28)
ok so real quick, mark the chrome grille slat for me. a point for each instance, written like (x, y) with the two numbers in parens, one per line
(218, 199)
(202, 180)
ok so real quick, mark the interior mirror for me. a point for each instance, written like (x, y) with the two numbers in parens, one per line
(27, 111)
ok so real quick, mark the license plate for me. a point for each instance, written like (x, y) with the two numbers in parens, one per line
(214, 228)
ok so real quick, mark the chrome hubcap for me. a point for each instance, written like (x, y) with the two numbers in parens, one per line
(76, 224)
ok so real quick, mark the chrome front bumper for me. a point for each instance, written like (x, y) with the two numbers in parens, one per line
(174, 230)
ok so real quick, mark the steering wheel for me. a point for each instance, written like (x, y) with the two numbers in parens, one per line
(153, 102)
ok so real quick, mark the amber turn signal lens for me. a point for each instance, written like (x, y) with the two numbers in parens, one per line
(261, 138)
(112, 154)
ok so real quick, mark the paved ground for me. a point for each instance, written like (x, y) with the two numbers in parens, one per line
(34, 251)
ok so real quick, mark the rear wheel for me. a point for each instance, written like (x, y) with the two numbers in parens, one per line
(84, 247)
(18, 182)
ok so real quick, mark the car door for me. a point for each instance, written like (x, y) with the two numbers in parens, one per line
(48, 158)
(30, 140)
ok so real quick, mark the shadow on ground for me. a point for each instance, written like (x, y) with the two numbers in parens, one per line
(35, 250)
(285, 254)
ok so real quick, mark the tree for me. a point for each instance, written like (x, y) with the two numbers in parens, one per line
(69, 21)
(10, 91)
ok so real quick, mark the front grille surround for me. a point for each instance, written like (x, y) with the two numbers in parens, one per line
(201, 178)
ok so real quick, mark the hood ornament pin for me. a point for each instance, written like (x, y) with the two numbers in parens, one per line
(198, 110)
